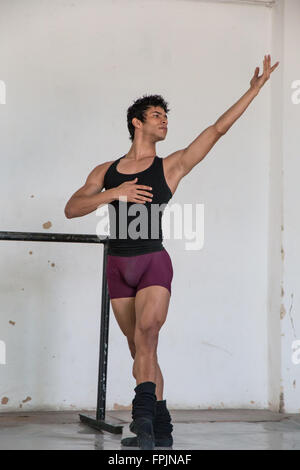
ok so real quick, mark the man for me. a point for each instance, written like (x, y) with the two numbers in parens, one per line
(139, 270)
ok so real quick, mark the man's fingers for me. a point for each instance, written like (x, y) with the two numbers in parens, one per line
(265, 65)
(274, 66)
(270, 69)
(267, 69)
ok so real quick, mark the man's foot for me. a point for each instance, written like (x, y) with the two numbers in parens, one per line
(143, 428)
(166, 441)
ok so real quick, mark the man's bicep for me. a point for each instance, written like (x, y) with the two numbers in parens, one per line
(88, 189)
(173, 163)
(94, 182)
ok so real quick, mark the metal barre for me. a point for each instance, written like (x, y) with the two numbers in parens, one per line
(99, 422)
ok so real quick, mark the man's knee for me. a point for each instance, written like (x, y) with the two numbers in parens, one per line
(148, 327)
(146, 338)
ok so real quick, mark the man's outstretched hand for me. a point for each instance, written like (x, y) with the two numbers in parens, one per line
(258, 81)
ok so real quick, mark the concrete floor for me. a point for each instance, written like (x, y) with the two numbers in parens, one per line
(193, 429)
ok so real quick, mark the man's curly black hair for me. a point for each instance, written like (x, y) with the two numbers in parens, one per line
(139, 107)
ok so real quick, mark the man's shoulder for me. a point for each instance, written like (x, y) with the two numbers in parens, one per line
(106, 164)
(102, 167)
(99, 171)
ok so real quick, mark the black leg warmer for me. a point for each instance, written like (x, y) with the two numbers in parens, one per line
(144, 403)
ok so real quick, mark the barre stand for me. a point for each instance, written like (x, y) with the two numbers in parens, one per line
(99, 422)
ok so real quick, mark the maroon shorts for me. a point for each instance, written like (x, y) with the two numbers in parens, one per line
(128, 274)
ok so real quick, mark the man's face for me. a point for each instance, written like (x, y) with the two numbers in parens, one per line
(157, 118)
(156, 123)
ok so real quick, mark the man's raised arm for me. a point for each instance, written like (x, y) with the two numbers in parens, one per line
(200, 147)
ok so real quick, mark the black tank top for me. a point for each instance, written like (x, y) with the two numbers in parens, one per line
(121, 243)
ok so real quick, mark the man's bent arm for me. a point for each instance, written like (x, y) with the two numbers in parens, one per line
(78, 206)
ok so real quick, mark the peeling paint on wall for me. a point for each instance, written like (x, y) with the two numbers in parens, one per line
(4, 401)
(282, 311)
(122, 407)
(26, 399)
(290, 314)
(12, 322)
(47, 224)
(281, 400)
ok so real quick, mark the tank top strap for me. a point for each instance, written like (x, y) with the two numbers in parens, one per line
(115, 163)
(158, 163)
(155, 165)
(111, 172)
(158, 168)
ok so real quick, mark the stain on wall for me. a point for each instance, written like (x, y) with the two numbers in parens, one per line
(281, 400)
(122, 407)
(26, 399)
(290, 315)
(282, 311)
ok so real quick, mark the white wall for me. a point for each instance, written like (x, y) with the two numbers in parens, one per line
(275, 215)
(290, 320)
(72, 68)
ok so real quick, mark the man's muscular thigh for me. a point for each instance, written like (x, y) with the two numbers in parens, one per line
(124, 311)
